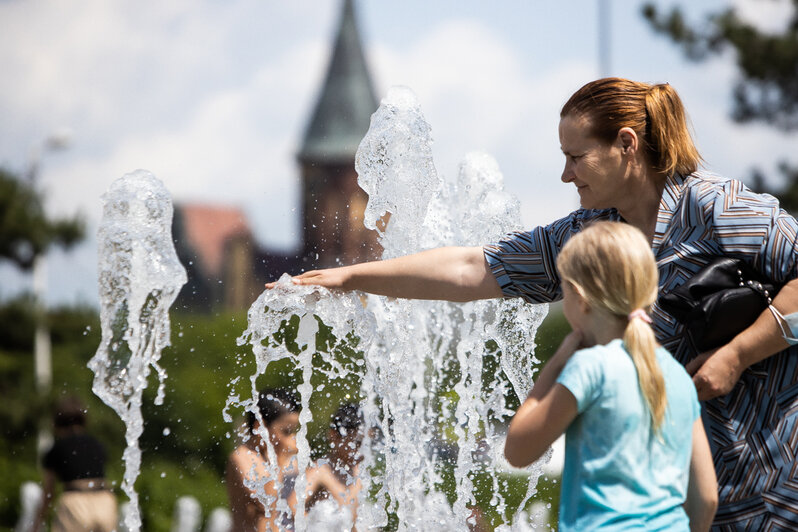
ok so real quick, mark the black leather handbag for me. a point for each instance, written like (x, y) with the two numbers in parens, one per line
(719, 301)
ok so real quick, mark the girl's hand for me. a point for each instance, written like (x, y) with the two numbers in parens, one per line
(322, 478)
(570, 344)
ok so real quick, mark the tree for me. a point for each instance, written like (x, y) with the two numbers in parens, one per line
(767, 90)
(25, 229)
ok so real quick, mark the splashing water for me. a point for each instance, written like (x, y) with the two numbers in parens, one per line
(434, 376)
(139, 278)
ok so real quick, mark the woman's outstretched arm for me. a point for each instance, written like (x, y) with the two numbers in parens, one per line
(449, 273)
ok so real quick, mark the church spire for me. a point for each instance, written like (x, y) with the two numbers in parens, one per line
(343, 110)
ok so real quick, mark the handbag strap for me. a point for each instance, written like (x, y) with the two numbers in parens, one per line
(780, 320)
(756, 286)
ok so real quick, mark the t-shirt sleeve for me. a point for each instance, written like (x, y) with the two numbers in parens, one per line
(525, 262)
(583, 375)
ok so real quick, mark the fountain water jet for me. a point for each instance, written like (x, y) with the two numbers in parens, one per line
(139, 278)
(434, 375)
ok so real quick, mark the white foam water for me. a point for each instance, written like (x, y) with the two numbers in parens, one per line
(139, 279)
(435, 375)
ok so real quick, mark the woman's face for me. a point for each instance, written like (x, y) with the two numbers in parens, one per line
(282, 432)
(595, 167)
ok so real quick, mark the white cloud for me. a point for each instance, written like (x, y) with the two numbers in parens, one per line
(213, 97)
(477, 94)
(771, 16)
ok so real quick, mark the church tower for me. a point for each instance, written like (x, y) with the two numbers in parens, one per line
(332, 202)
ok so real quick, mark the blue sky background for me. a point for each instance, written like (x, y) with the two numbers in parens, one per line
(213, 97)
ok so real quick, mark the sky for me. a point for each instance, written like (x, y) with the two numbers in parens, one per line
(214, 97)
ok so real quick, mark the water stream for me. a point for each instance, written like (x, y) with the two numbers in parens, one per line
(435, 376)
(139, 278)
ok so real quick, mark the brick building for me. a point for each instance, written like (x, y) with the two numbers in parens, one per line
(226, 267)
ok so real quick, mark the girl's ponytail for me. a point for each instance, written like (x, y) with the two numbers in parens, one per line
(611, 265)
(642, 345)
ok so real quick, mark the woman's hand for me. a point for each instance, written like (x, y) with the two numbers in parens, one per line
(715, 372)
(332, 278)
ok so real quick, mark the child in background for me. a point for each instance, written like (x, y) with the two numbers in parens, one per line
(636, 454)
(249, 465)
(345, 437)
(249, 475)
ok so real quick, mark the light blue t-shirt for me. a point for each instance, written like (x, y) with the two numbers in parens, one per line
(618, 474)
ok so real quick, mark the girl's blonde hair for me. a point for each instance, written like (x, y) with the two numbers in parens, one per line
(654, 112)
(610, 265)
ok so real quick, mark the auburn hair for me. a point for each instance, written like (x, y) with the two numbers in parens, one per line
(610, 265)
(654, 112)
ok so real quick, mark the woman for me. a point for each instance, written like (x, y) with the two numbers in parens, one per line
(630, 155)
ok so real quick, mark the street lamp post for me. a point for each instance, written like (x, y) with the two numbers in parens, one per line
(604, 36)
(42, 354)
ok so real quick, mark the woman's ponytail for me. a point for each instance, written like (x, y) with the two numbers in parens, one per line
(670, 143)
(654, 112)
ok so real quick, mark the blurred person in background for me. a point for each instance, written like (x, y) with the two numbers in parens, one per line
(340, 468)
(77, 461)
(249, 474)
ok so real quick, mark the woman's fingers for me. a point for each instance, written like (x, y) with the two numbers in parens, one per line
(332, 278)
(694, 365)
(303, 278)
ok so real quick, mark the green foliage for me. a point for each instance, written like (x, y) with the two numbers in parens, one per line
(18, 464)
(25, 229)
(163, 481)
(186, 441)
(768, 86)
(787, 194)
(551, 333)
(767, 90)
(18, 411)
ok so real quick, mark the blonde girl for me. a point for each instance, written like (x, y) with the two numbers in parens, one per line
(636, 454)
